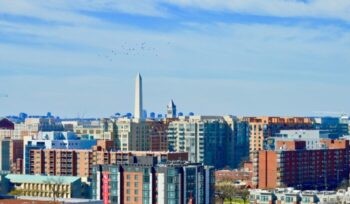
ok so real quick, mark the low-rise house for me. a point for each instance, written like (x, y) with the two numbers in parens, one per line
(292, 196)
(258, 196)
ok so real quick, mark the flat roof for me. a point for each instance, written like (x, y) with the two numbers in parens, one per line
(18, 178)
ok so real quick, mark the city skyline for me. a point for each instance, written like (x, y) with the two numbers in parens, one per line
(212, 57)
(174, 101)
(139, 110)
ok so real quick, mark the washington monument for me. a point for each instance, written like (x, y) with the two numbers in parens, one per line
(138, 112)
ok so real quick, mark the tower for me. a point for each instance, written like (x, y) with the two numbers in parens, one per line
(138, 112)
(171, 110)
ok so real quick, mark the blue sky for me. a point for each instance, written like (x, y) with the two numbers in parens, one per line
(241, 57)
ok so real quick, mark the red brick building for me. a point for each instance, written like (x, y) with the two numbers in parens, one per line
(16, 156)
(70, 162)
(234, 176)
(158, 134)
(292, 165)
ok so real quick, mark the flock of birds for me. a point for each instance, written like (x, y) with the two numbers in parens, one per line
(141, 49)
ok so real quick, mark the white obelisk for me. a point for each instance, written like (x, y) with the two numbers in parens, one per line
(138, 112)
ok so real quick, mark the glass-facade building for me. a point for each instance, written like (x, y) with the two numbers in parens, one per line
(212, 140)
(167, 183)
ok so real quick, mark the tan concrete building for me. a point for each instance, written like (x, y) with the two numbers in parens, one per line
(132, 135)
(263, 127)
(31, 127)
(103, 129)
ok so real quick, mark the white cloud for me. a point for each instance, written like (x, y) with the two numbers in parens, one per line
(67, 11)
(44, 10)
(250, 57)
(140, 7)
(338, 9)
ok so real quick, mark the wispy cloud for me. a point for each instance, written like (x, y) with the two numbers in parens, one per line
(245, 46)
(339, 9)
(66, 11)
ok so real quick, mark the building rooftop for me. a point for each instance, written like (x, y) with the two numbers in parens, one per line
(18, 178)
(326, 193)
(6, 124)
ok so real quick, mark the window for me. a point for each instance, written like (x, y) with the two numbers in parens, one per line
(136, 184)
(264, 198)
(289, 199)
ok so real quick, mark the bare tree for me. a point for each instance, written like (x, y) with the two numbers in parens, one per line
(219, 194)
(225, 192)
(229, 192)
(344, 184)
(242, 193)
(16, 192)
(54, 187)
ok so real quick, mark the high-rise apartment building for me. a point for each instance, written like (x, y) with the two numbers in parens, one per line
(211, 140)
(11, 155)
(75, 162)
(4, 155)
(261, 128)
(132, 135)
(97, 129)
(292, 165)
(16, 156)
(158, 135)
(237, 143)
(149, 182)
(52, 140)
